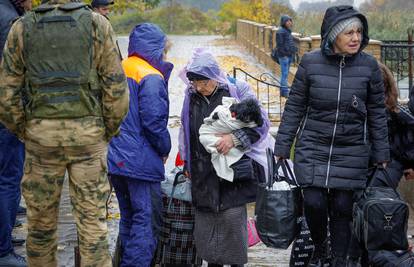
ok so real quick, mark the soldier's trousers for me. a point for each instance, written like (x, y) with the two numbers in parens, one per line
(43, 178)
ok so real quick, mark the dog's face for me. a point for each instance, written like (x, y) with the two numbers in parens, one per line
(247, 111)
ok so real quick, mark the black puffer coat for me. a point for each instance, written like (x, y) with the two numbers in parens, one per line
(401, 139)
(210, 192)
(338, 102)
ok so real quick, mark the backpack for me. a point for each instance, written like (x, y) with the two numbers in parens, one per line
(380, 218)
(384, 258)
(275, 55)
(61, 79)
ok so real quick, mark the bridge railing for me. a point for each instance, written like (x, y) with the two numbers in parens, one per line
(267, 90)
(259, 39)
(398, 56)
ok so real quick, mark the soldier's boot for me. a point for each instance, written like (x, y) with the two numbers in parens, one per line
(12, 260)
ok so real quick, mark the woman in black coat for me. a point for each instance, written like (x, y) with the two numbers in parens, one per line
(335, 109)
(400, 133)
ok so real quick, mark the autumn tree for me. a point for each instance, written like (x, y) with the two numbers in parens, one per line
(262, 11)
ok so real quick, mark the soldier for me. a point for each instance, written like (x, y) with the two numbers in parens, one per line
(62, 57)
(11, 155)
(102, 6)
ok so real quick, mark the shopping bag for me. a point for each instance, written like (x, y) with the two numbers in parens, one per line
(177, 185)
(302, 247)
(176, 243)
(253, 236)
(277, 207)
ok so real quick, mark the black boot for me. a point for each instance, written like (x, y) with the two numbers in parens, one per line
(339, 262)
(320, 256)
(353, 262)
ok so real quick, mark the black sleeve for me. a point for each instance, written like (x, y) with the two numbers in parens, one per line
(246, 137)
(295, 109)
(377, 119)
(281, 42)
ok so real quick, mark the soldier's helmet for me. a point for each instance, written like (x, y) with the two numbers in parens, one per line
(101, 3)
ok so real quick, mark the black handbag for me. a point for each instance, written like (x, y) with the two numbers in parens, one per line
(380, 218)
(277, 210)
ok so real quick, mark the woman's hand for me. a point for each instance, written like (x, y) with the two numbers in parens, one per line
(381, 164)
(409, 174)
(224, 144)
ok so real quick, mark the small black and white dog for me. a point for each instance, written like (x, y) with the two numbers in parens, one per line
(247, 110)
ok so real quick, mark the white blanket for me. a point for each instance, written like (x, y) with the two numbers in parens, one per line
(224, 125)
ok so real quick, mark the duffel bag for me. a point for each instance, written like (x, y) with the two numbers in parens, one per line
(380, 218)
(384, 258)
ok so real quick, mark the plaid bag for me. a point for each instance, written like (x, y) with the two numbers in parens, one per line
(176, 243)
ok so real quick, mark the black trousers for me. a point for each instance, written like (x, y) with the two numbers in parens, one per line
(218, 265)
(321, 204)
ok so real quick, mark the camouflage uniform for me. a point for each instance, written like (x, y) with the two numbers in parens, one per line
(54, 146)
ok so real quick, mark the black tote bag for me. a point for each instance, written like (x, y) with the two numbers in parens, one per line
(277, 210)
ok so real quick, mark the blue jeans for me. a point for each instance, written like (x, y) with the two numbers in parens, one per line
(140, 204)
(11, 172)
(284, 67)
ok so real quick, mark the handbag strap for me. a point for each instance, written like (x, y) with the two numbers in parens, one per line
(270, 167)
(380, 168)
(175, 183)
(290, 171)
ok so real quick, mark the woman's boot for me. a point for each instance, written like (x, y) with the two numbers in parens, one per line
(320, 256)
(339, 262)
(353, 262)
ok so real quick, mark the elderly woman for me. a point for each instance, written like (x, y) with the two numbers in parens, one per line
(220, 222)
(335, 109)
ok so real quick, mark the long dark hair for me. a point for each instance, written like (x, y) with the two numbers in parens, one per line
(391, 90)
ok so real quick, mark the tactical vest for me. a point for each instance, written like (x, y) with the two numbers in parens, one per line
(61, 82)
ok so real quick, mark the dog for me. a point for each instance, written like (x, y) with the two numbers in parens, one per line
(246, 111)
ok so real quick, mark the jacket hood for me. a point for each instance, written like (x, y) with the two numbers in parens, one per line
(206, 65)
(284, 19)
(148, 41)
(332, 16)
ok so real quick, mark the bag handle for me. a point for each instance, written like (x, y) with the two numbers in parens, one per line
(270, 167)
(175, 183)
(387, 177)
(287, 171)
(290, 171)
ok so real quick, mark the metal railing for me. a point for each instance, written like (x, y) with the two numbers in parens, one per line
(267, 89)
(397, 55)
